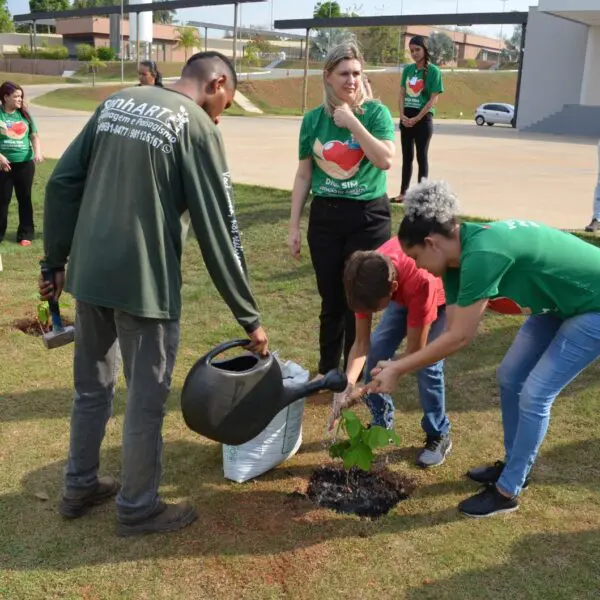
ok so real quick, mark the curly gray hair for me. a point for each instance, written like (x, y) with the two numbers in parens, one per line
(431, 200)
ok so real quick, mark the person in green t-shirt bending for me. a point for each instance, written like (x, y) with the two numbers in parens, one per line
(420, 88)
(511, 267)
(20, 150)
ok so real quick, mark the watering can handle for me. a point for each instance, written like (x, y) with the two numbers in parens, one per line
(227, 346)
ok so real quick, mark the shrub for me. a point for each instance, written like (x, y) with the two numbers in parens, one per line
(24, 51)
(85, 52)
(58, 52)
(105, 53)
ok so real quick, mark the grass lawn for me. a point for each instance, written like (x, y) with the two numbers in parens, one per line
(252, 541)
(464, 93)
(88, 98)
(29, 79)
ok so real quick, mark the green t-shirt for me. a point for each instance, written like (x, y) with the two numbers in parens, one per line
(526, 268)
(418, 91)
(15, 131)
(340, 167)
(118, 204)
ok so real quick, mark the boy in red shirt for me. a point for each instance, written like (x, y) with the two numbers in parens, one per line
(415, 309)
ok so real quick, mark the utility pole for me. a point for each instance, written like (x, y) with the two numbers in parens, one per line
(502, 32)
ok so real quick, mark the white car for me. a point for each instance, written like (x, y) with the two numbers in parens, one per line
(497, 112)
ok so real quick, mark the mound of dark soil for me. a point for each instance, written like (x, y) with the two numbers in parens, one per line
(31, 326)
(367, 494)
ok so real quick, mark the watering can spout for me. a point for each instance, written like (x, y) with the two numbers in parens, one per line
(334, 381)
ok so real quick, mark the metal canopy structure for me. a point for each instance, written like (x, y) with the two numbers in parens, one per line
(95, 11)
(463, 19)
(270, 32)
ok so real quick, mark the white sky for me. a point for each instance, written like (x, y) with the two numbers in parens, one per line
(260, 13)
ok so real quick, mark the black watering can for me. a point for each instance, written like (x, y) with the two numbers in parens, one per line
(232, 401)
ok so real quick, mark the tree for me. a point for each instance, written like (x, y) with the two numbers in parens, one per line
(261, 44)
(441, 48)
(379, 44)
(512, 46)
(188, 38)
(325, 39)
(158, 16)
(6, 22)
(324, 10)
(48, 5)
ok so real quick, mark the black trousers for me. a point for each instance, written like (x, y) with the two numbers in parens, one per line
(19, 178)
(337, 227)
(418, 136)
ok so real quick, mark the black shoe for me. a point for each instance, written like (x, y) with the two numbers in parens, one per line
(73, 508)
(487, 503)
(166, 518)
(593, 226)
(490, 474)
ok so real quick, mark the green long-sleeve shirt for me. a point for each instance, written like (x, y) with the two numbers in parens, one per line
(114, 207)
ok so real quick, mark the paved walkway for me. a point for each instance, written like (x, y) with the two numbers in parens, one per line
(497, 172)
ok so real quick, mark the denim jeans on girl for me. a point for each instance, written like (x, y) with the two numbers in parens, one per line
(547, 354)
(384, 342)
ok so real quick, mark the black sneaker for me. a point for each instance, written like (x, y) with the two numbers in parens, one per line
(490, 474)
(487, 503)
(435, 451)
(593, 226)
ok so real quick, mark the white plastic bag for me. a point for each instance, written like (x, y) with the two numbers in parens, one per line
(280, 440)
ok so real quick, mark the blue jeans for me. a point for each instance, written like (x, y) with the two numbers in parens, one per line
(547, 354)
(597, 191)
(384, 342)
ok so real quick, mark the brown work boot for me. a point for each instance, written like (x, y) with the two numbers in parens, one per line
(166, 518)
(72, 508)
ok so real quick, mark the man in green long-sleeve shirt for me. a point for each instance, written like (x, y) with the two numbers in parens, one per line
(149, 161)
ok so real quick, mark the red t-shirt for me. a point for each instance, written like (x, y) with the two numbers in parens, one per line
(418, 290)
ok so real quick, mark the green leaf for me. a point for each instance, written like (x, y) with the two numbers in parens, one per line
(352, 424)
(350, 416)
(43, 313)
(338, 449)
(360, 455)
(353, 428)
(376, 437)
(394, 437)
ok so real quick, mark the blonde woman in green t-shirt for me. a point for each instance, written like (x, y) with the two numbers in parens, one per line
(346, 147)
(20, 150)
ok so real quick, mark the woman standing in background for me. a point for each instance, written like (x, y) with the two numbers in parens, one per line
(20, 150)
(419, 92)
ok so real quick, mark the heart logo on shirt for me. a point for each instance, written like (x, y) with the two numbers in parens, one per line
(506, 306)
(15, 130)
(342, 154)
(416, 86)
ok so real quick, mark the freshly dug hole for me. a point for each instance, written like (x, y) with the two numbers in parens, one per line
(357, 492)
(31, 326)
